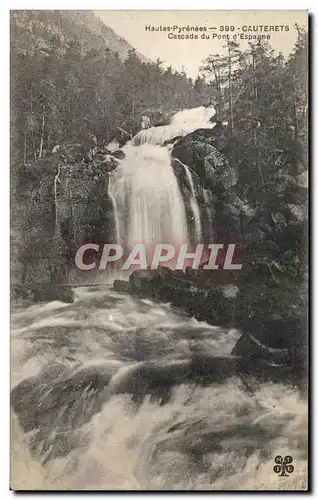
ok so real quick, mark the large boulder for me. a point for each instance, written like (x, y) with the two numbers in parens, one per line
(109, 163)
(50, 291)
(121, 286)
(121, 136)
(194, 291)
(156, 117)
(119, 154)
(197, 150)
(147, 282)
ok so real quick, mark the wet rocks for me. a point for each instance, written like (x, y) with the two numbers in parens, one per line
(179, 170)
(148, 282)
(49, 292)
(60, 401)
(198, 151)
(122, 136)
(108, 163)
(264, 302)
(121, 286)
(41, 293)
(119, 154)
(190, 291)
(216, 178)
(156, 118)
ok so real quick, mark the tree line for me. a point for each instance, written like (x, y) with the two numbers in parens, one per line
(264, 98)
(61, 89)
(64, 87)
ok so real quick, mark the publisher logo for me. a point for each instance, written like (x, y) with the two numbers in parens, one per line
(284, 465)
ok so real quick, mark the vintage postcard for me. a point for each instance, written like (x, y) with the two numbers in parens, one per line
(159, 222)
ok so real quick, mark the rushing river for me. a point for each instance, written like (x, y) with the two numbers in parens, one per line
(81, 425)
(112, 392)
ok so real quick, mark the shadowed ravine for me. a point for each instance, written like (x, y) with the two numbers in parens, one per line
(109, 393)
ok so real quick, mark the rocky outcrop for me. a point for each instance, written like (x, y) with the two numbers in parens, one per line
(199, 152)
(266, 300)
(192, 291)
(122, 136)
(227, 215)
(157, 117)
(45, 292)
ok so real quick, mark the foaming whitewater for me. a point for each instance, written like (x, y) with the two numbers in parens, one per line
(107, 392)
(194, 118)
(148, 201)
(89, 417)
(158, 135)
(194, 205)
(182, 123)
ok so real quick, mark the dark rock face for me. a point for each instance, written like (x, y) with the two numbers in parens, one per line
(191, 291)
(202, 152)
(121, 286)
(171, 141)
(146, 283)
(179, 170)
(199, 152)
(47, 293)
(255, 349)
(122, 136)
(269, 315)
(119, 154)
(281, 213)
(109, 163)
(157, 117)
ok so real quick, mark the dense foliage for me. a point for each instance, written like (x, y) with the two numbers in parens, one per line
(264, 97)
(64, 86)
(73, 78)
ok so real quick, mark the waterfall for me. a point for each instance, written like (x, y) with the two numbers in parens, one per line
(158, 135)
(56, 180)
(207, 203)
(194, 118)
(194, 205)
(114, 207)
(147, 198)
(144, 191)
(182, 123)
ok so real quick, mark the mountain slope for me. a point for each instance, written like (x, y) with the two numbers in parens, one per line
(89, 23)
(32, 28)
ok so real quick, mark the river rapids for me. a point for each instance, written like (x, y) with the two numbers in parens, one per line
(111, 392)
(86, 416)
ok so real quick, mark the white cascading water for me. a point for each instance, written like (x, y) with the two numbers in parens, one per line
(192, 119)
(213, 438)
(74, 427)
(158, 135)
(208, 210)
(148, 205)
(182, 123)
(148, 201)
(194, 204)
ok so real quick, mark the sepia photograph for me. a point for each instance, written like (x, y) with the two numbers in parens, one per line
(159, 250)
